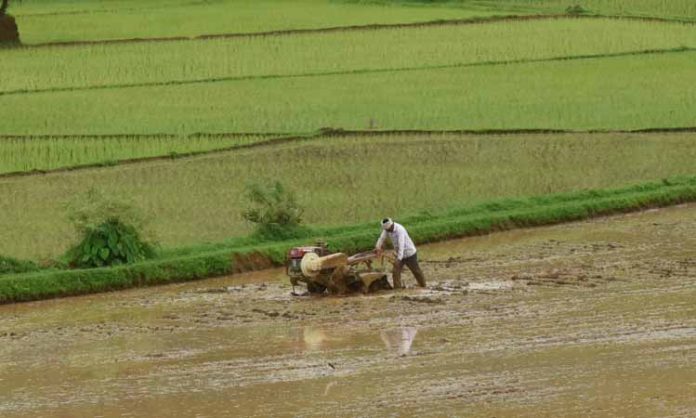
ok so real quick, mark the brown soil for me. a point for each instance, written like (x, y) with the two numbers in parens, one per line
(9, 33)
(588, 319)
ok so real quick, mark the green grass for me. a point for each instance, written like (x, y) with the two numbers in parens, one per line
(611, 93)
(156, 62)
(497, 215)
(51, 153)
(340, 180)
(65, 20)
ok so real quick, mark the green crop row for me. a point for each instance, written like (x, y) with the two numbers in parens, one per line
(607, 93)
(27, 154)
(100, 66)
(495, 216)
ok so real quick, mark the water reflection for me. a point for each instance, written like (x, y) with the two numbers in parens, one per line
(308, 338)
(329, 386)
(313, 338)
(399, 339)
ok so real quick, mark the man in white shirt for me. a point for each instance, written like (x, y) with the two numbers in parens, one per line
(405, 251)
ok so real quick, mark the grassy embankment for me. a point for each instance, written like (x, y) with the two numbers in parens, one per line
(248, 255)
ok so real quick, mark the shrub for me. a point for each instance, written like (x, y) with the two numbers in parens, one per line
(110, 243)
(276, 213)
(109, 231)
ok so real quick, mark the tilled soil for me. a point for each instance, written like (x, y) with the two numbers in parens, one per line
(594, 318)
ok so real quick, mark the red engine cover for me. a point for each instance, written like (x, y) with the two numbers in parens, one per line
(299, 252)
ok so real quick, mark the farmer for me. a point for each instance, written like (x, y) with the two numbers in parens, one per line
(405, 251)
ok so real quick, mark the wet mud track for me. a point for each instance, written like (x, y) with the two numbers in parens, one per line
(593, 318)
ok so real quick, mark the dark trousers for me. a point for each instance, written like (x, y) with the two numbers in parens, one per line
(412, 264)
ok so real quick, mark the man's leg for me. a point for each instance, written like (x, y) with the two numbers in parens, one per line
(412, 263)
(396, 274)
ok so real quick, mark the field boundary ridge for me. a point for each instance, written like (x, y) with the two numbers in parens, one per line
(243, 255)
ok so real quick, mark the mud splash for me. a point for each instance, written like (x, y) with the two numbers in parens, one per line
(586, 319)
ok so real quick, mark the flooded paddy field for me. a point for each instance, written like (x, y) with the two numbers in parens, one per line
(593, 318)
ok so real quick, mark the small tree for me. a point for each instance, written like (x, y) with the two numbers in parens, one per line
(109, 231)
(276, 212)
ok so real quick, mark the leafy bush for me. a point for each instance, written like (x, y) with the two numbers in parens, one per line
(108, 244)
(10, 265)
(110, 233)
(276, 213)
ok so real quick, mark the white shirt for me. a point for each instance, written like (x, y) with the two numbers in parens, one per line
(402, 242)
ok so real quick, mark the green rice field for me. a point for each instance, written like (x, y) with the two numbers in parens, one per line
(64, 20)
(26, 154)
(237, 91)
(110, 66)
(615, 94)
(340, 180)
(540, 153)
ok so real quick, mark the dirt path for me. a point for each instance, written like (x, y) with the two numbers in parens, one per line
(587, 319)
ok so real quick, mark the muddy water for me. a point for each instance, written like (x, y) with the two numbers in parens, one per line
(588, 319)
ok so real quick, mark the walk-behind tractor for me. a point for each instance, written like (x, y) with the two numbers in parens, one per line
(337, 273)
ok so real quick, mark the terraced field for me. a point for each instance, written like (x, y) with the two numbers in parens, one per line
(405, 78)
(457, 117)
(523, 65)
(100, 66)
